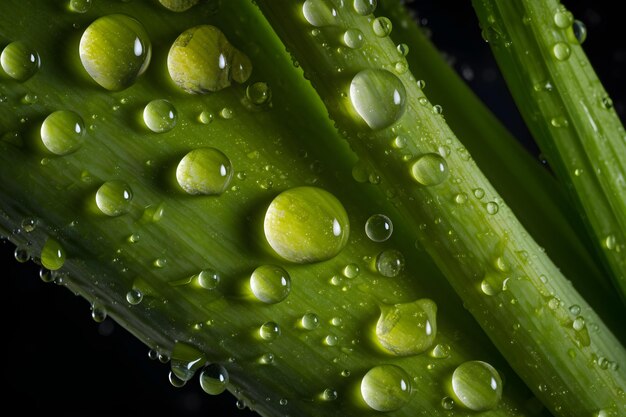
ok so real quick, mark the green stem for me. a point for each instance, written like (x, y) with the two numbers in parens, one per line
(481, 250)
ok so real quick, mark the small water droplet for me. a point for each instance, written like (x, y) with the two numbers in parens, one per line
(479, 193)
(19, 61)
(98, 312)
(319, 13)
(378, 228)
(175, 380)
(259, 93)
(310, 321)
(160, 116)
(46, 275)
(80, 6)
(115, 50)
(330, 340)
(561, 51)
(437, 109)
(186, 360)
(21, 254)
(492, 207)
(408, 328)
(329, 394)
(52, 255)
(447, 403)
(306, 224)
(114, 198)
(226, 113)
(580, 31)
(269, 331)
(609, 242)
(403, 49)
(353, 38)
(203, 60)
(389, 263)
(208, 279)
(134, 296)
(574, 309)
(563, 19)
(364, 7)
(578, 324)
(476, 385)
(62, 132)
(429, 169)
(386, 388)
(270, 283)
(153, 354)
(378, 96)
(204, 171)
(382, 26)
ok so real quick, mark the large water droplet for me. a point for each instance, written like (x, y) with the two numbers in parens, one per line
(429, 169)
(204, 171)
(386, 388)
(378, 96)
(115, 50)
(160, 116)
(114, 198)
(408, 328)
(378, 228)
(202, 60)
(306, 224)
(476, 385)
(62, 132)
(186, 360)
(270, 283)
(319, 13)
(214, 379)
(19, 61)
(52, 255)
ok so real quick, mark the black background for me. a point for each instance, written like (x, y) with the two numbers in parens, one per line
(58, 360)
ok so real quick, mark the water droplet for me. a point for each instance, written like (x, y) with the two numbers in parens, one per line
(62, 132)
(561, 51)
(437, 109)
(204, 171)
(310, 321)
(160, 116)
(460, 198)
(205, 117)
(52, 255)
(269, 331)
(21, 254)
(134, 296)
(306, 224)
(476, 385)
(492, 207)
(479, 193)
(46, 275)
(365, 7)
(403, 49)
(186, 360)
(115, 50)
(609, 242)
(175, 381)
(114, 198)
(178, 5)
(153, 354)
(447, 403)
(580, 31)
(202, 60)
(563, 19)
(382, 26)
(389, 263)
(98, 313)
(353, 38)
(378, 96)
(329, 394)
(378, 228)
(319, 13)
(386, 388)
(259, 93)
(270, 283)
(574, 309)
(164, 358)
(408, 328)
(226, 113)
(19, 61)
(440, 351)
(80, 6)
(429, 169)
(578, 324)
(266, 358)
(607, 103)
(208, 279)
(492, 284)
(29, 224)
(283, 401)
(330, 340)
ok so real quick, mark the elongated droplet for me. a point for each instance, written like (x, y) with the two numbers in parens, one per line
(52, 255)
(408, 328)
(214, 379)
(386, 388)
(476, 385)
(115, 50)
(62, 132)
(202, 60)
(306, 224)
(378, 96)
(204, 171)
(19, 61)
(186, 360)
(114, 198)
(270, 283)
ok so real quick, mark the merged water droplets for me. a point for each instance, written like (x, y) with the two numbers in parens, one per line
(386, 388)
(204, 171)
(114, 198)
(319, 13)
(115, 50)
(270, 283)
(19, 61)
(476, 385)
(62, 132)
(203, 60)
(378, 96)
(429, 169)
(160, 116)
(306, 224)
(214, 379)
(408, 328)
